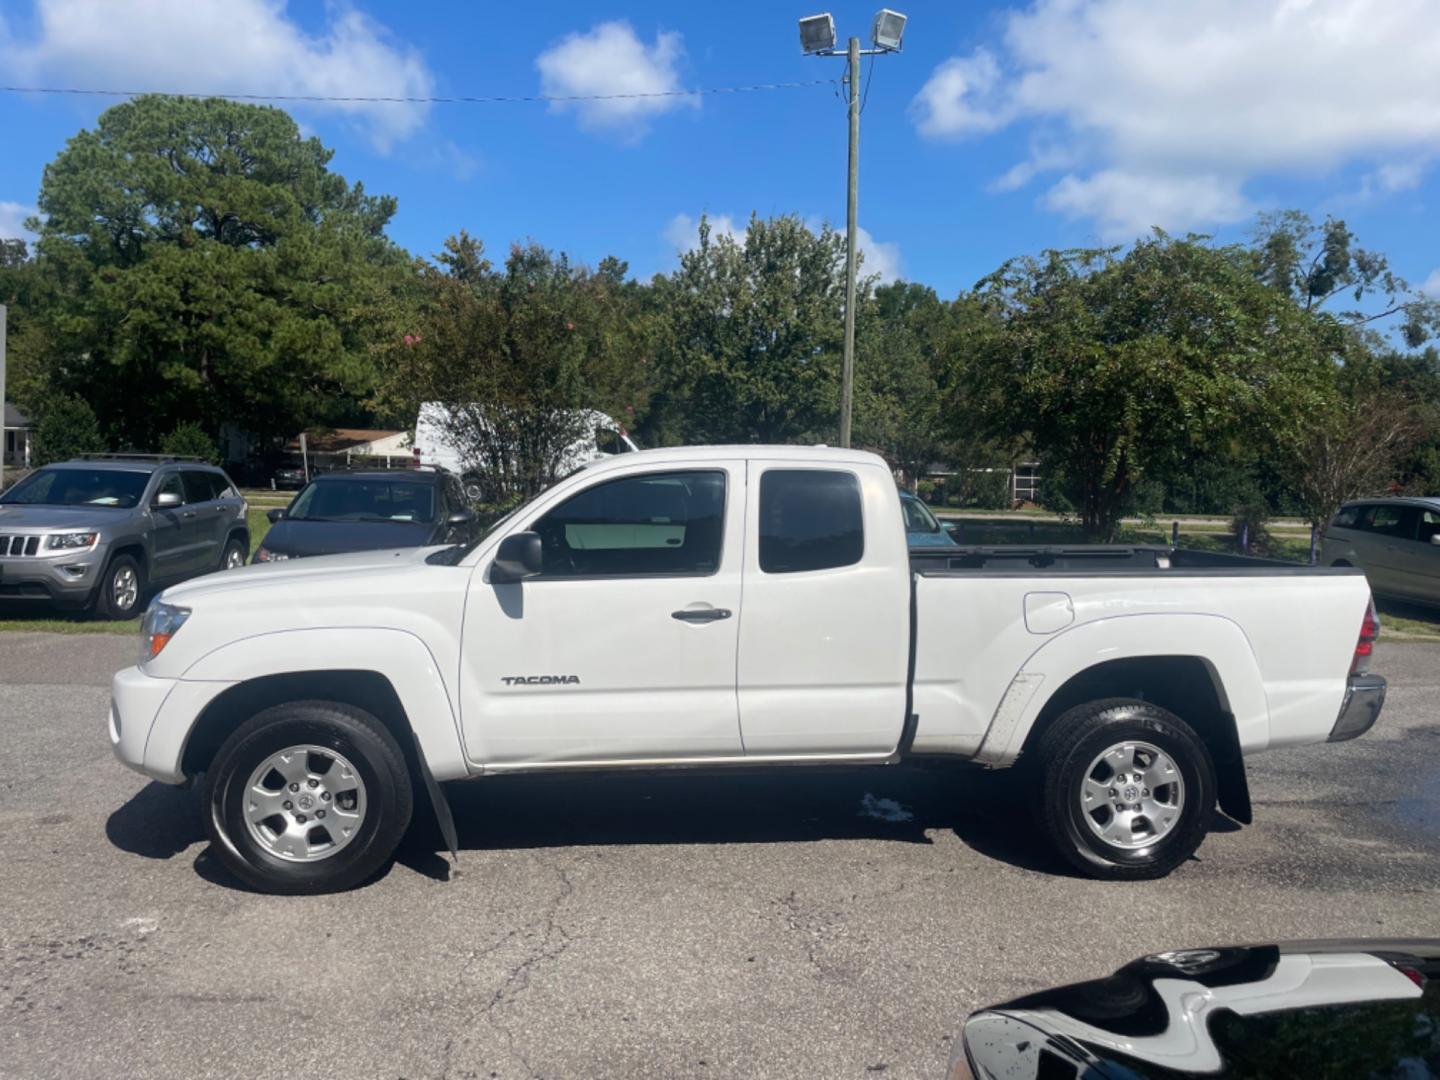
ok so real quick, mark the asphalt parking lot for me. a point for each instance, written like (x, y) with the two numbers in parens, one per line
(789, 923)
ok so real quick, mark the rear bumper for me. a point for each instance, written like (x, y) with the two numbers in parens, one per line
(1364, 697)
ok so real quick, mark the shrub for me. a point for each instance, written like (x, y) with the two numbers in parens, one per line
(67, 428)
(189, 440)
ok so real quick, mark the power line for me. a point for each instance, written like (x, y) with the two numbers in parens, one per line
(456, 100)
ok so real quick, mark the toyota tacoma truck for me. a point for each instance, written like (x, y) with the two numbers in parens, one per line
(726, 606)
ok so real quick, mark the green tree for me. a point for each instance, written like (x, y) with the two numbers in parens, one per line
(519, 356)
(751, 351)
(66, 429)
(1316, 264)
(1116, 367)
(210, 265)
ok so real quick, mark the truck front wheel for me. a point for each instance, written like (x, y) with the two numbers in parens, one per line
(1127, 789)
(307, 797)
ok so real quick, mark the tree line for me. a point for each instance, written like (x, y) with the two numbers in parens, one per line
(199, 268)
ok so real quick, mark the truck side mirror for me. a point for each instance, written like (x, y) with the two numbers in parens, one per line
(275, 515)
(167, 500)
(460, 517)
(518, 558)
(1435, 538)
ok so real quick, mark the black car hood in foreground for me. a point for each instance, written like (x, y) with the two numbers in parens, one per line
(300, 538)
(1306, 1009)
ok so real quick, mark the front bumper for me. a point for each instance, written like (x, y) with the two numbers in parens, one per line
(65, 579)
(151, 719)
(1364, 697)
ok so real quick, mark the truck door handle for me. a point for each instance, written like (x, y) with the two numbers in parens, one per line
(701, 614)
(189, 513)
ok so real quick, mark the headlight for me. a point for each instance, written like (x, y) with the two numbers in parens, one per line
(162, 621)
(264, 554)
(71, 541)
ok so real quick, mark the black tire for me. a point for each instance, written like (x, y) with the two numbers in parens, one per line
(107, 606)
(364, 742)
(1065, 754)
(234, 545)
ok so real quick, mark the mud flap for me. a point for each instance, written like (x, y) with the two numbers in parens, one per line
(443, 817)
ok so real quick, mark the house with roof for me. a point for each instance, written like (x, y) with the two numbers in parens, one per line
(19, 438)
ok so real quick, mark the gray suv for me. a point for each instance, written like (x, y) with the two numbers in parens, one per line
(1397, 543)
(98, 532)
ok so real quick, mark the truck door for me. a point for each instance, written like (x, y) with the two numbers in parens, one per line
(825, 639)
(170, 545)
(624, 647)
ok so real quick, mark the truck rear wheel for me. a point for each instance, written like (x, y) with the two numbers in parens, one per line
(1127, 789)
(307, 797)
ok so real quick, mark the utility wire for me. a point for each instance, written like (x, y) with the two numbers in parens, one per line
(456, 100)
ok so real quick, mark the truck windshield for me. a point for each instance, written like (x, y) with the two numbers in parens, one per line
(68, 486)
(365, 500)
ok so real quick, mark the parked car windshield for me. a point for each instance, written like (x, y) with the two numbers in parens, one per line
(365, 500)
(115, 488)
(918, 517)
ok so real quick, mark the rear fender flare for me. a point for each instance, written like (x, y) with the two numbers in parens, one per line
(1217, 641)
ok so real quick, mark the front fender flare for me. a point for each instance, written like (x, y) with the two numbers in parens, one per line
(397, 655)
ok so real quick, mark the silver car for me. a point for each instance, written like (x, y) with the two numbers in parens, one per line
(1395, 541)
(98, 533)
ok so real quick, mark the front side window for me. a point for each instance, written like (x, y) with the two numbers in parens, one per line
(1429, 526)
(73, 486)
(171, 484)
(658, 523)
(1347, 518)
(810, 519)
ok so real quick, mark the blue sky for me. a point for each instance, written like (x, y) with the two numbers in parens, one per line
(1002, 129)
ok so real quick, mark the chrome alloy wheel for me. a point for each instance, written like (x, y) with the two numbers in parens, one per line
(125, 588)
(304, 803)
(234, 559)
(1132, 795)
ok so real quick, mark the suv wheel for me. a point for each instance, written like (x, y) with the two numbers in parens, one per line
(1127, 789)
(234, 556)
(121, 588)
(307, 797)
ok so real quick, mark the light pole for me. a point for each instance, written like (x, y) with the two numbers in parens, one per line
(817, 38)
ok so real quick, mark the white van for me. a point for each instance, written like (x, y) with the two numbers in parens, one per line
(433, 445)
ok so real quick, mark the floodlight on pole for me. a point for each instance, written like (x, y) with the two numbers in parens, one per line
(887, 30)
(817, 38)
(817, 33)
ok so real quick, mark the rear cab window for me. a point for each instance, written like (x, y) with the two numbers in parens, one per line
(810, 519)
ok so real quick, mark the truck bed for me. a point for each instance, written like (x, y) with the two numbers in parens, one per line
(1087, 559)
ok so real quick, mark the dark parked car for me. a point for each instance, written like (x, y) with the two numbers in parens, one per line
(368, 511)
(100, 532)
(1314, 1009)
(288, 478)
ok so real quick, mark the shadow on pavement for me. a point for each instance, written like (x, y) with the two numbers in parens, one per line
(158, 823)
(901, 804)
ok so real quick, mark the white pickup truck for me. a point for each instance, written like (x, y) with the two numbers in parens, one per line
(731, 606)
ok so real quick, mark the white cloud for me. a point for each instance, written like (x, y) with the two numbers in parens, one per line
(1431, 287)
(1126, 204)
(959, 98)
(882, 259)
(611, 59)
(683, 231)
(1174, 108)
(12, 221)
(226, 47)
